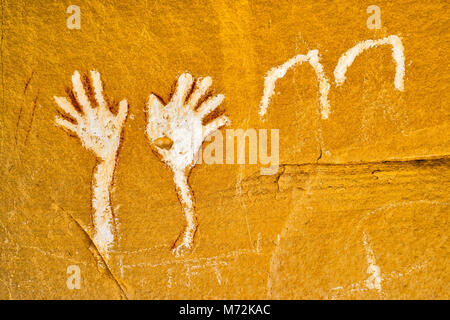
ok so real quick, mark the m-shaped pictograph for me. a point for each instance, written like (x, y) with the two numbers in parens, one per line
(177, 132)
(88, 116)
(345, 61)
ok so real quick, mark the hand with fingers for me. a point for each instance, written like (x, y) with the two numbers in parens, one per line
(88, 116)
(177, 132)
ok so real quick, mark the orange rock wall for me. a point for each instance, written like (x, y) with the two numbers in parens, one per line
(357, 210)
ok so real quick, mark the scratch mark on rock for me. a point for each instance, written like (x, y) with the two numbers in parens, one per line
(258, 243)
(169, 277)
(361, 286)
(98, 252)
(33, 112)
(248, 232)
(400, 204)
(28, 82)
(17, 124)
(7, 288)
(218, 275)
(204, 261)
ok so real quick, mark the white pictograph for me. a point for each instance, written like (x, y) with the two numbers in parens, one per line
(177, 133)
(375, 279)
(279, 72)
(177, 129)
(88, 116)
(348, 57)
(344, 62)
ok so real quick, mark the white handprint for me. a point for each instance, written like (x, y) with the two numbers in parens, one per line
(177, 133)
(99, 130)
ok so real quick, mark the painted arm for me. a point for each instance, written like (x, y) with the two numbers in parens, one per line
(88, 116)
(177, 132)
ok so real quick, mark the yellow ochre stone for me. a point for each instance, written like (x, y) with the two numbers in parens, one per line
(164, 142)
(357, 207)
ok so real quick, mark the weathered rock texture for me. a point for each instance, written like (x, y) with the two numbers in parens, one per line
(358, 209)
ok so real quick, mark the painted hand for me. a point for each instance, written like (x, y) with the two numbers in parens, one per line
(99, 131)
(97, 127)
(176, 129)
(177, 132)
